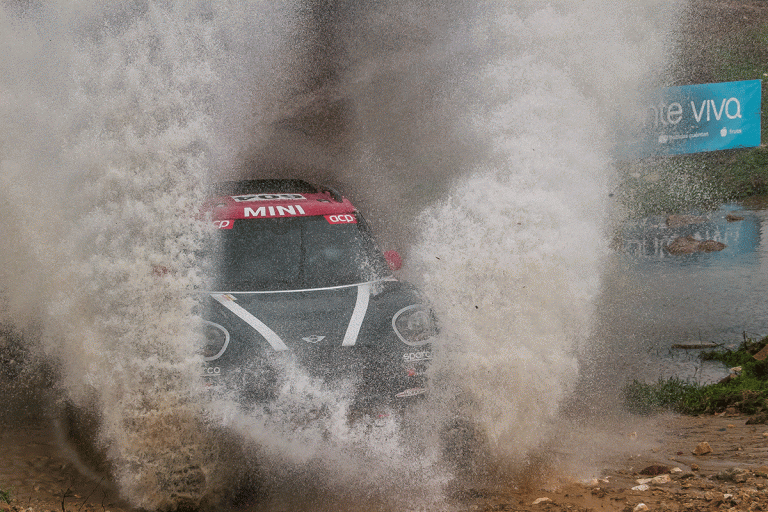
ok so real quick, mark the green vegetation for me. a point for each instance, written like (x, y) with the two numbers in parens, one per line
(5, 496)
(746, 393)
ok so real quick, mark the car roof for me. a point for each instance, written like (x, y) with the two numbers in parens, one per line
(274, 198)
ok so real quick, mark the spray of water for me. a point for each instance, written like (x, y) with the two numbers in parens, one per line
(517, 109)
(478, 136)
(107, 116)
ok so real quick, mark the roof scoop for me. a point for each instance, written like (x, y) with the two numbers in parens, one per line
(335, 194)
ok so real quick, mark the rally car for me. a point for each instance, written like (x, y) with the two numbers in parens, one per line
(301, 286)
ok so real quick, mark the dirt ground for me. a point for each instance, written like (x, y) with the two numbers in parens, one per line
(42, 474)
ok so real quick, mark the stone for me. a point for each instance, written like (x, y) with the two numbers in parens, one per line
(656, 469)
(717, 497)
(538, 501)
(640, 507)
(695, 467)
(641, 487)
(758, 419)
(689, 245)
(661, 479)
(733, 218)
(762, 354)
(702, 448)
(737, 475)
(711, 246)
(683, 245)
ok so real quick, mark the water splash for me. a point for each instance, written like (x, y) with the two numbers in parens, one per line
(488, 127)
(106, 151)
(513, 256)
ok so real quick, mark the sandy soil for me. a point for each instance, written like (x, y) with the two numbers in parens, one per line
(43, 476)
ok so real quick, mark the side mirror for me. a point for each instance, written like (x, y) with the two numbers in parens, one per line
(394, 260)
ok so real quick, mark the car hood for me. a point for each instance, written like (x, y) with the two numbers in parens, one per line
(284, 319)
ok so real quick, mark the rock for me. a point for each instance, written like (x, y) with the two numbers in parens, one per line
(683, 245)
(661, 479)
(695, 346)
(678, 221)
(733, 218)
(640, 507)
(538, 501)
(758, 419)
(711, 246)
(695, 467)
(641, 487)
(702, 449)
(689, 245)
(737, 475)
(762, 354)
(717, 497)
(656, 469)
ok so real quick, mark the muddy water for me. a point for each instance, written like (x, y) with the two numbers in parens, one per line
(655, 300)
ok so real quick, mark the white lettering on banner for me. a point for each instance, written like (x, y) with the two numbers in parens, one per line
(274, 211)
(344, 218)
(223, 224)
(711, 108)
(667, 114)
(728, 111)
(212, 371)
(267, 197)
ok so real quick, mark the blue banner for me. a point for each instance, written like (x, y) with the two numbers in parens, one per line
(697, 118)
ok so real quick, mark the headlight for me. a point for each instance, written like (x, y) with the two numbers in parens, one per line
(215, 340)
(414, 325)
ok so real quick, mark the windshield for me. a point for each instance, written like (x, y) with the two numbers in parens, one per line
(295, 253)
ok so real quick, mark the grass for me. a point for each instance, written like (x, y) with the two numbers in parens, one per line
(5, 496)
(746, 393)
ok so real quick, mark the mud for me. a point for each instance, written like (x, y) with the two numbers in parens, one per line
(43, 473)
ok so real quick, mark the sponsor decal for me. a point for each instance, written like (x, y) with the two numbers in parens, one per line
(268, 197)
(417, 356)
(411, 392)
(211, 371)
(313, 339)
(224, 224)
(342, 218)
(274, 211)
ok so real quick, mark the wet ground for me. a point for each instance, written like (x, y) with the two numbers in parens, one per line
(42, 475)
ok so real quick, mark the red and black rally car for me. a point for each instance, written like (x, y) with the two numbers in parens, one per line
(300, 283)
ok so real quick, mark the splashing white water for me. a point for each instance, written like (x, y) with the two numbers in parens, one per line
(105, 150)
(512, 257)
(115, 117)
